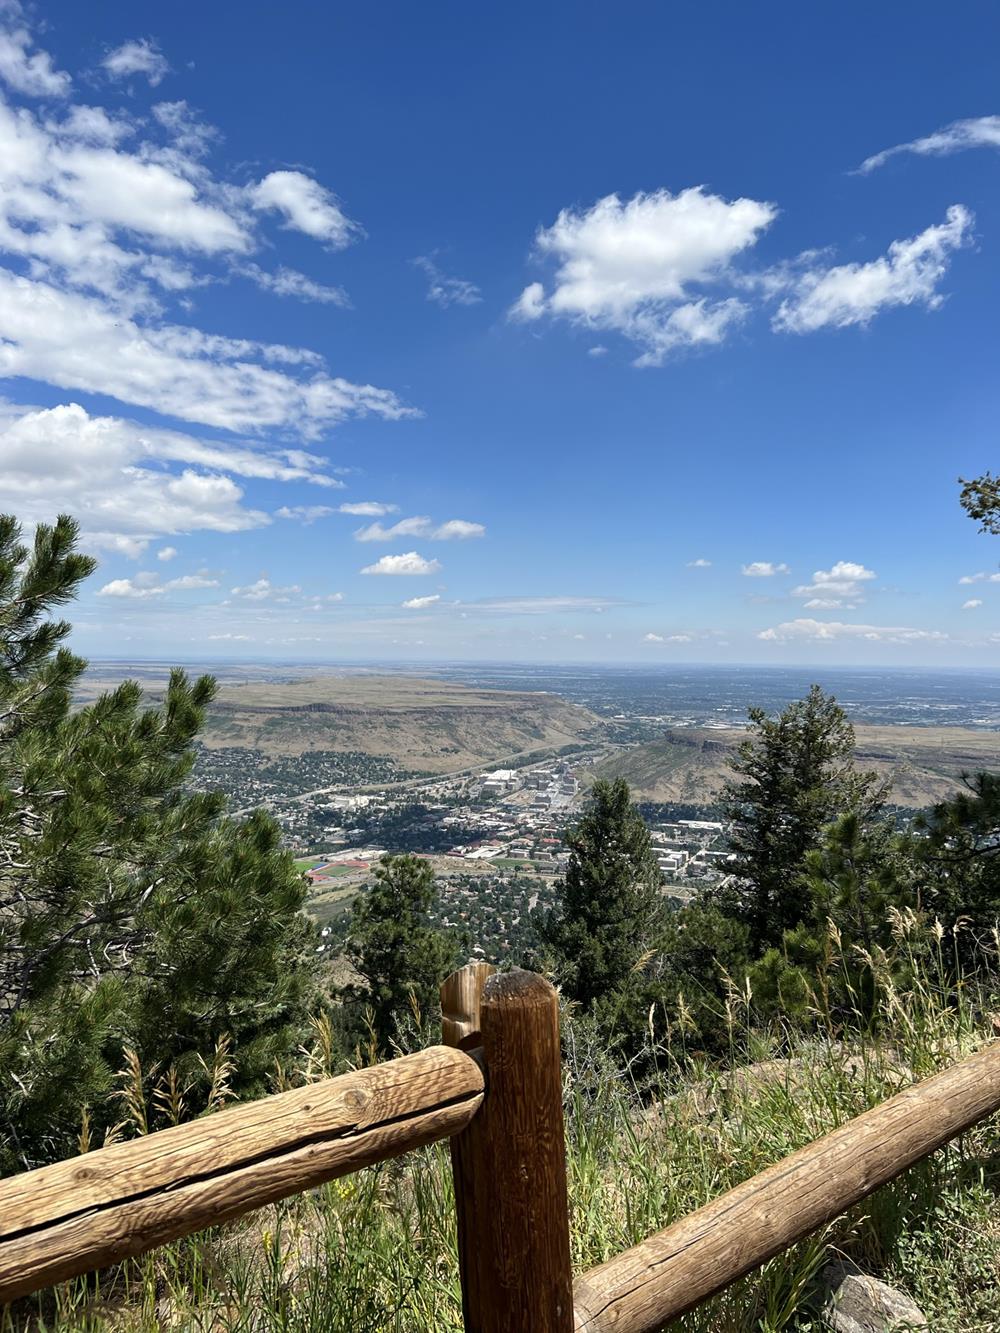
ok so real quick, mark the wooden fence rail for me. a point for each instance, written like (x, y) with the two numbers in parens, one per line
(495, 1090)
(93, 1210)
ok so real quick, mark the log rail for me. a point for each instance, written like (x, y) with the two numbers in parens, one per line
(494, 1090)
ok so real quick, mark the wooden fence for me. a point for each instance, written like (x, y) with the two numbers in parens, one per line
(494, 1090)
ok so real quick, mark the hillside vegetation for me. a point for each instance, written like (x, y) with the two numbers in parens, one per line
(925, 764)
(428, 725)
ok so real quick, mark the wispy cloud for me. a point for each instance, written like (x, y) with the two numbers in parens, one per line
(960, 135)
(764, 569)
(444, 290)
(140, 55)
(846, 294)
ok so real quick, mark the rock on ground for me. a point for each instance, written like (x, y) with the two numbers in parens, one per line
(852, 1302)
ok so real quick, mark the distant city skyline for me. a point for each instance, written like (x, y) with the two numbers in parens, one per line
(564, 334)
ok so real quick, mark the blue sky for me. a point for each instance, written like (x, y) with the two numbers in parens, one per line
(638, 333)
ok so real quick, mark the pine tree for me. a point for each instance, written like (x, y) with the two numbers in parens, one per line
(399, 955)
(609, 909)
(132, 913)
(794, 775)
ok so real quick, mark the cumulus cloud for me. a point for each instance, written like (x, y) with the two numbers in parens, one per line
(764, 569)
(840, 586)
(306, 206)
(972, 603)
(128, 483)
(419, 603)
(409, 564)
(846, 294)
(700, 563)
(129, 588)
(976, 132)
(368, 509)
(140, 55)
(981, 577)
(825, 630)
(166, 553)
(444, 290)
(652, 638)
(634, 266)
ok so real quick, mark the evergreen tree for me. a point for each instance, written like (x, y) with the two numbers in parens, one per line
(609, 907)
(132, 914)
(401, 957)
(956, 859)
(794, 775)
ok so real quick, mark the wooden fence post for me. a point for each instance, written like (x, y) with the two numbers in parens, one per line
(510, 1164)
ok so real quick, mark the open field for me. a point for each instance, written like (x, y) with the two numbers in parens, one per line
(691, 764)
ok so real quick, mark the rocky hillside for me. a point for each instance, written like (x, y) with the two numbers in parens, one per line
(691, 764)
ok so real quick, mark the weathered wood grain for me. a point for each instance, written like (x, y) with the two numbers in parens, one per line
(510, 1167)
(92, 1210)
(461, 997)
(642, 1289)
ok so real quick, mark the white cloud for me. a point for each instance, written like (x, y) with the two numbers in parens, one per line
(306, 206)
(189, 581)
(822, 630)
(265, 591)
(700, 563)
(652, 638)
(457, 529)
(129, 588)
(304, 514)
(78, 342)
(128, 483)
(188, 132)
(410, 563)
(446, 291)
(419, 603)
(530, 304)
(981, 577)
(976, 132)
(289, 282)
(420, 526)
(632, 266)
(417, 526)
(764, 569)
(166, 553)
(31, 74)
(139, 55)
(849, 294)
(836, 587)
(368, 509)
(972, 603)
(598, 350)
